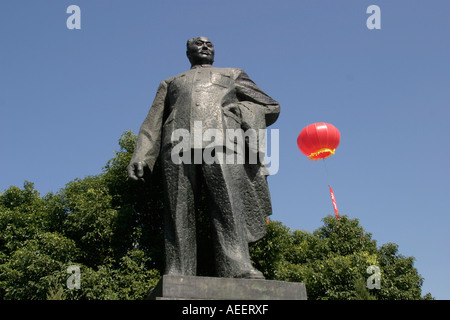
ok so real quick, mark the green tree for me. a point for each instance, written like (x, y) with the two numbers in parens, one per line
(361, 291)
(95, 223)
(333, 260)
(31, 249)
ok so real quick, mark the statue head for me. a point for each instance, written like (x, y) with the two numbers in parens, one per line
(200, 50)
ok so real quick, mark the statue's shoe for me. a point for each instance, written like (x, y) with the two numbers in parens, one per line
(251, 274)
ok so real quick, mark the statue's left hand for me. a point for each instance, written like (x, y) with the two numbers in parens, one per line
(136, 170)
(233, 108)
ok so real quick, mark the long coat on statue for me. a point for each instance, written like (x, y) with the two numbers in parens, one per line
(221, 98)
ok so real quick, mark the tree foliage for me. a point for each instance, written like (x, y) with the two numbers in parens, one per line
(333, 260)
(95, 223)
(112, 229)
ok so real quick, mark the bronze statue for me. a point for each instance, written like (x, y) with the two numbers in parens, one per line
(218, 99)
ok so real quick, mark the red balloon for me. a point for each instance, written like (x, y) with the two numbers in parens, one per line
(319, 140)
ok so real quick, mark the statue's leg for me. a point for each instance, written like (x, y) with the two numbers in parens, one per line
(179, 219)
(224, 183)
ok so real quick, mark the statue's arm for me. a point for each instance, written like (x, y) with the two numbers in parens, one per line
(149, 138)
(247, 90)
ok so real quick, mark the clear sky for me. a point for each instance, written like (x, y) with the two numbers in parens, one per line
(66, 96)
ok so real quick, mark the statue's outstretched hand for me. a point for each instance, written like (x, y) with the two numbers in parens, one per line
(136, 170)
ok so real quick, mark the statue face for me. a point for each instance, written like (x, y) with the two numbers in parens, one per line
(200, 51)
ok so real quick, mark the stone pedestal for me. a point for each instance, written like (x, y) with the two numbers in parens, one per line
(208, 288)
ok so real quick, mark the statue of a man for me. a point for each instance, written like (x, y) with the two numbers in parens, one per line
(207, 98)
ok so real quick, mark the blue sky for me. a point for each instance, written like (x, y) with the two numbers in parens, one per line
(66, 96)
